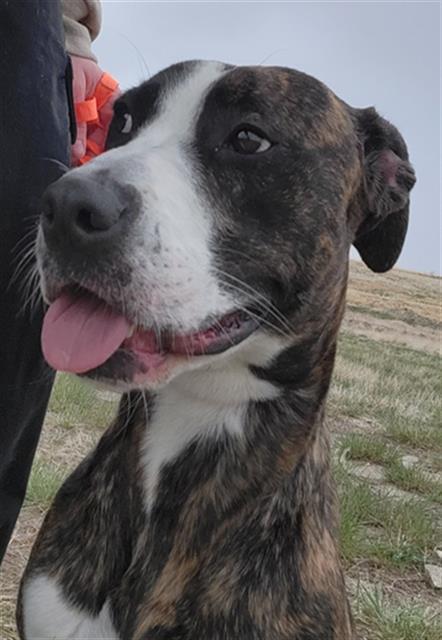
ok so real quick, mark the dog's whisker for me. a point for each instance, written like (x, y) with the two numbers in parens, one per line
(270, 55)
(25, 238)
(266, 309)
(28, 249)
(29, 287)
(31, 292)
(122, 299)
(218, 324)
(128, 412)
(242, 254)
(145, 406)
(187, 350)
(158, 335)
(258, 297)
(25, 265)
(266, 322)
(139, 56)
(35, 217)
(58, 163)
(25, 252)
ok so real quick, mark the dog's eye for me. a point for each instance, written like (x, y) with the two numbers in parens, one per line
(248, 142)
(127, 126)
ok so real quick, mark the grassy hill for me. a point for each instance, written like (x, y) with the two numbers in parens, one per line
(384, 413)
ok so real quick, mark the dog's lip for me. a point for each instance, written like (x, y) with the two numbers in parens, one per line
(140, 360)
(214, 335)
(148, 349)
(168, 336)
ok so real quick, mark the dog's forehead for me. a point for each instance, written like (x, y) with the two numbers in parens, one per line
(204, 98)
(267, 85)
(188, 87)
(231, 84)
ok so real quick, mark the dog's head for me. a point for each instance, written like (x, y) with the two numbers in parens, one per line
(216, 227)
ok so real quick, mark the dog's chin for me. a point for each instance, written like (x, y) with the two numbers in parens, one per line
(130, 368)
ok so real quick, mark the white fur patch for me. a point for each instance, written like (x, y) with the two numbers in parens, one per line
(174, 282)
(205, 403)
(48, 616)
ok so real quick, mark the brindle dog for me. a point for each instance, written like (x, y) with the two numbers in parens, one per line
(214, 233)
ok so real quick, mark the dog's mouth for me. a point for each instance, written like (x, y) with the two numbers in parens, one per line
(82, 334)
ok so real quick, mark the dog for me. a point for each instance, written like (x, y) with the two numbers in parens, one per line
(199, 266)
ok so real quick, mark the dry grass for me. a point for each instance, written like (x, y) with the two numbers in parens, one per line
(402, 392)
(396, 293)
(398, 306)
(380, 619)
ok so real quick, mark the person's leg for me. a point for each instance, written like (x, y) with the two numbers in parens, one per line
(34, 124)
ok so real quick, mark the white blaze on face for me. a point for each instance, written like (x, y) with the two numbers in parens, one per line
(174, 282)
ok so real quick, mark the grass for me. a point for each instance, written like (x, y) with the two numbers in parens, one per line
(414, 479)
(397, 390)
(406, 315)
(44, 483)
(356, 502)
(376, 450)
(382, 529)
(386, 621)
(74, 404)
(77, 403)
(414, 436)
(362, 447)
(398, 387)
(435, 460)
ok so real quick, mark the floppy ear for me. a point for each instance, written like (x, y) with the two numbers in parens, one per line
(383, 198)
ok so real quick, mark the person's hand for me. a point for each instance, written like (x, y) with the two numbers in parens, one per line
(94, 94)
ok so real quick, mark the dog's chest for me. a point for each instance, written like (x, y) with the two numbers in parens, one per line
(195, 571)
(207, 550)
(177, 426)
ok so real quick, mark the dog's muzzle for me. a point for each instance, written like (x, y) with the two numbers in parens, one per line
(86, 228)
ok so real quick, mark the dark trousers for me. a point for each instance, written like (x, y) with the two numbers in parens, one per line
(34, 126)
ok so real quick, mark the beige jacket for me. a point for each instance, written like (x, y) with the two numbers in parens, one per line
(82, 22)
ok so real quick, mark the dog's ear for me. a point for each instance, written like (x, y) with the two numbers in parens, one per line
(382, 200)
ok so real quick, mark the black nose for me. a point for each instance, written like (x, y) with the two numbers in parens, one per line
(80, 213)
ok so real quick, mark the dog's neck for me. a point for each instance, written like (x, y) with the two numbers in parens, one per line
(237, 480)
(234, 432)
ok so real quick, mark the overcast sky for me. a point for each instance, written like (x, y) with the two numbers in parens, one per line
(385, 54)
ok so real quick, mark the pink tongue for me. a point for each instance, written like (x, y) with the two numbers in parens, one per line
(80, 333)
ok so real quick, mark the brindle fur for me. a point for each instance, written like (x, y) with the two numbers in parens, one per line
(241, 541)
